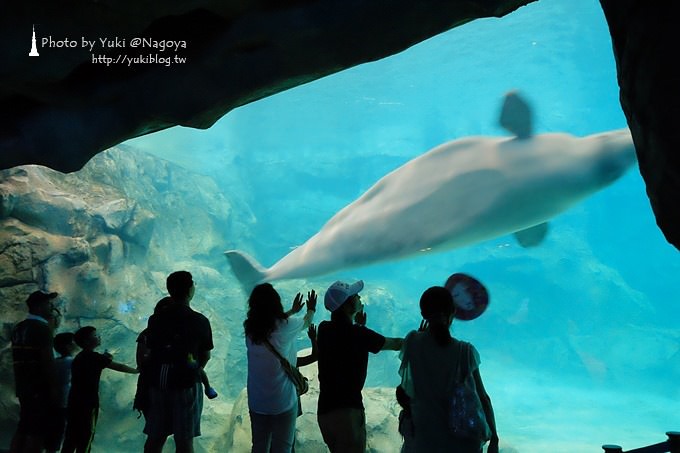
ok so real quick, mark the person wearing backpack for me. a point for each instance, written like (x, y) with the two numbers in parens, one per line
(432, 363)
(141, 401)
(179, 341)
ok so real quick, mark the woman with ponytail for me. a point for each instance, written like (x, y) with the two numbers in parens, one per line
(431, 358)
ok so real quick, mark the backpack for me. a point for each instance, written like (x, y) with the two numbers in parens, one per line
(171, 364)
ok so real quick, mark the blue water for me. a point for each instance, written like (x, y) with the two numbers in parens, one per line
(580, 344)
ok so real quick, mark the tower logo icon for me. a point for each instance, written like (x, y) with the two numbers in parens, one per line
(34, 48)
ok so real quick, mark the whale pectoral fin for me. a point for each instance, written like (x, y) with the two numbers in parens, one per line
(516, 115)
(533, 236)
(246, 269)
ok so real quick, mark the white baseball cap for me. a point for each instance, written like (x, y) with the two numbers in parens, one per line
(339, 292)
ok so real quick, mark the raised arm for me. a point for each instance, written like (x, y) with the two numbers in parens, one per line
(297, 305)
(122, 368)
(313, 357)
(202, 358)
(392, 344)
(311, 309)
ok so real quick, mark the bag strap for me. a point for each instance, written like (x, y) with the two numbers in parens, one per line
(284, 362)
(460, 353)
(463, 362)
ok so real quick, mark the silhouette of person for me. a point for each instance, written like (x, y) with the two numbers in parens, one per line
(65, 346)
(430, 358)
(34, 373)
(83, 398)
(344, 343)
(141, 402)
(179, 341)
(272, 398)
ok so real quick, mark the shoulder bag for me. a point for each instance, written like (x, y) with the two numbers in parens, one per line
(301, 383)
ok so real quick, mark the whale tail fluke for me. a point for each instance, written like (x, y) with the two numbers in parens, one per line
(246, 269)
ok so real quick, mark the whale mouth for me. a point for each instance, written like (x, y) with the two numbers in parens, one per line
(611, 170)
(618, 157)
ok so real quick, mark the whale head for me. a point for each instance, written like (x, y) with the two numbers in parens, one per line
(569, 170)
(613, 153)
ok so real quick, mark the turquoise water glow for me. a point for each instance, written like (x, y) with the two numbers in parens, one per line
(580, 345)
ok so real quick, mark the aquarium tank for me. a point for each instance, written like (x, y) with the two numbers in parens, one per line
(579, 345)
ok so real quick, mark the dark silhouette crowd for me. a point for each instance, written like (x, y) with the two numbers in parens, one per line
(341, 345)
(58, 396)
(58, 390)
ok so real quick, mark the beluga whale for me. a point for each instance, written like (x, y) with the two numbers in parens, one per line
(457, 194)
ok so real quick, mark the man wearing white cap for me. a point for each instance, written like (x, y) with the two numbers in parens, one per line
(343, 344)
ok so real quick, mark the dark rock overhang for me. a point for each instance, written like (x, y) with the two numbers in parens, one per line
(64, 108)
(61, 112)
(645, 42)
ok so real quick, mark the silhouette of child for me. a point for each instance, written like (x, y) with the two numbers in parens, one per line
(65, 346)
(83, 400)
(207, 389)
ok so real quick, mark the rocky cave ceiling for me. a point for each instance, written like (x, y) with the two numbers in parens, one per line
(65, 110)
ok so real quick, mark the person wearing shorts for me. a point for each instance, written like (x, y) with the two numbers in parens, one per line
(179, 341)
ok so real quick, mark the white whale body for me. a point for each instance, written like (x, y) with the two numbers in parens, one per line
(457, 194)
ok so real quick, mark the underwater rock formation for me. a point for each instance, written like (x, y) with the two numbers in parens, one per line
(95, 237)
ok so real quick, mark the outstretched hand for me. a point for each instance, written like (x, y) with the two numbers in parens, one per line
(311, 300)
(311, 333)
(297, 304)
(313, 356)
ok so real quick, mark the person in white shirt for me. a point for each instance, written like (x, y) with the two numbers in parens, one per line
(272, 397)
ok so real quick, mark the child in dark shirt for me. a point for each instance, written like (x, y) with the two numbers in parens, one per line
(83, 401)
